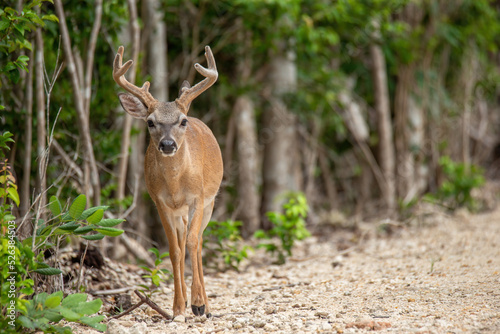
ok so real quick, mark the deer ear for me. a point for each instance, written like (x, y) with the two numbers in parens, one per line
(133, 106)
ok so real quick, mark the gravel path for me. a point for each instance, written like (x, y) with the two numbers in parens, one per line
(441, 275)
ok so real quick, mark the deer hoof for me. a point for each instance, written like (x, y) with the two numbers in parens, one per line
(209, 315)
(198, 310)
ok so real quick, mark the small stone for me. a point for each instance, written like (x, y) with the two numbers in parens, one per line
(270, 309)
(115, 328)
(321, 314)
(180, 318)
(200, 318)
(270, 328)
(326, 326)
(258, 323)
(138, 328)
(238, 324)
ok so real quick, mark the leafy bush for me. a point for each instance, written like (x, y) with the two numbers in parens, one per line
(156, 274)
(461, 179)
(44, 311)
(20, 260)
(287, 227)
(13, 28)
(222, 241)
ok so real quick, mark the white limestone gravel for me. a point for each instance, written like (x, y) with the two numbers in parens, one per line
(440, 274)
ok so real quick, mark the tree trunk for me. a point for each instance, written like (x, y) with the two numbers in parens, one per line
(278, 135)
(384, 126)
(127, 126)
(405, 168)
(157, 51)
(248, 165)
(28, 139)
(83, 118)
(41, 181)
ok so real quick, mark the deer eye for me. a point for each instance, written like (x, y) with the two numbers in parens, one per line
(184, 122)
(150, 123)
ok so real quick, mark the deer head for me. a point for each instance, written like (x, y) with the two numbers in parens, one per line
(167, 121)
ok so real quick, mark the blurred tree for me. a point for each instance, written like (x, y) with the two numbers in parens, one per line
(352, 101)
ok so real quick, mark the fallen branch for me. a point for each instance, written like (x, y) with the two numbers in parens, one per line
(152, 304)
(111, 292)
(130, 309)
(144, 300)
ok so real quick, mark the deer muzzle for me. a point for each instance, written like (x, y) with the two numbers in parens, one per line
(167, 147)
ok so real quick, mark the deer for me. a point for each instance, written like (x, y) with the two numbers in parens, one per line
(183, 172)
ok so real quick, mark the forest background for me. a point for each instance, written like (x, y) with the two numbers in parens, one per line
(361, 105)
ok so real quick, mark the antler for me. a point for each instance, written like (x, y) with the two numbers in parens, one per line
(119, 71)
(189, 94)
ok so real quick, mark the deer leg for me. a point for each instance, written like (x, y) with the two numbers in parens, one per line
(182, 238)
(197, 296)
(171, 227)
(207, 214)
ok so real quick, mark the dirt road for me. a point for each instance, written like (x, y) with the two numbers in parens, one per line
(441, 276)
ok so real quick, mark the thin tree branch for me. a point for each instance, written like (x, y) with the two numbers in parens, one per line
(90, 56)
(83, 119)
(71, 164)
(81, 266)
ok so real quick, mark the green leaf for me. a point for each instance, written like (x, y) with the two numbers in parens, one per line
(69, 314)
(110, 222)
(19, 28)
(156, 280)
(25, 322)
(54, 299)
(55, 206)
(97, 236)
(48, 271)
(94, 322)
(53, 315)
(83, 230)
(13, 195)
(71, 226)
(50, 17)
(4, 24)
(96, 217)
(154, 251)
(74, 300)
(87, 213)
(77, 207)
(90, 307)
(109, 231)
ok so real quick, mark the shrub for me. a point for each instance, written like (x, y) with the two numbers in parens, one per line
(222, 240)
(287, 227)
(461, 179)
(156, 274)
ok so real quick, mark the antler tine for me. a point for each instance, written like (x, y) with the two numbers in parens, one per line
(210, 74)
(119, 71)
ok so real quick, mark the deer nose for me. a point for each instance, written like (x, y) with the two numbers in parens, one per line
(167, 146)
